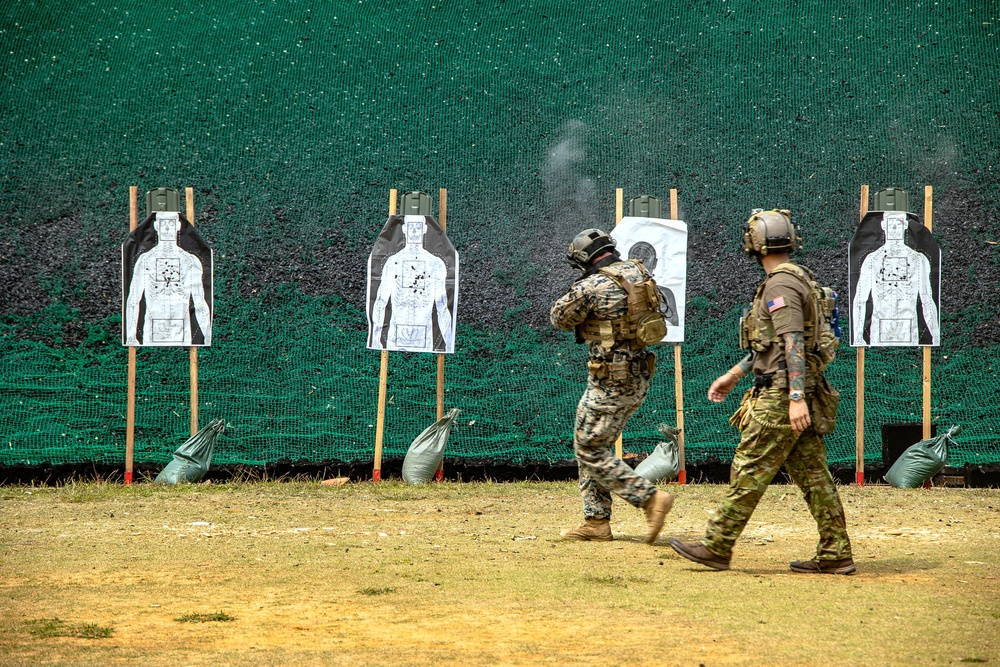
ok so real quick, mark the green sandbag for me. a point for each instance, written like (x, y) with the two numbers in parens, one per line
(665, 461)
(192, 459)
(921, 461)
(424, 456)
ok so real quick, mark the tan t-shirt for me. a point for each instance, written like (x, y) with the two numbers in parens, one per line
(781, 307)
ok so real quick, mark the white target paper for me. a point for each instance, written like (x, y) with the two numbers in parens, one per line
(412, 287)
(895, 269)
(661, 245)
(166, 284)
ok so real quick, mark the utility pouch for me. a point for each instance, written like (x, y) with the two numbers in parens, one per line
(746, 326)
(598, 368)
(825, 401)
(651, 329)
(618, 370)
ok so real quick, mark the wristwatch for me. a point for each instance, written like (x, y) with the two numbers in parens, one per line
(795, 396)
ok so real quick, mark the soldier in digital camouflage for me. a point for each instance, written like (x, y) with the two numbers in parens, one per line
(613, 308)
(782, 418)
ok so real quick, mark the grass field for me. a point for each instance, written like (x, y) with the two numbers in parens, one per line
(275, 573)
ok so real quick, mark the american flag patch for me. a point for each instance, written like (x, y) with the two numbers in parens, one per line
(775, 304)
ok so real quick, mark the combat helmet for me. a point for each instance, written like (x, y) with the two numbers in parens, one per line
(587, 245)
(770, 233)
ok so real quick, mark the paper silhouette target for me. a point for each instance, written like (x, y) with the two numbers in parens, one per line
(166, 284)
(895, 267)
(661, 245)
(412, 287)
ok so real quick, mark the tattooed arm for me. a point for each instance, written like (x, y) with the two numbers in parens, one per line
(795, 359)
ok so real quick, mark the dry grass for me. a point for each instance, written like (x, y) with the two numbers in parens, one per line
(475, 574)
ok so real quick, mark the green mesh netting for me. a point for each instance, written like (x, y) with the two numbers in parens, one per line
(293, 119)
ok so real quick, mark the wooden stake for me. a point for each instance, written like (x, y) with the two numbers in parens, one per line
(443, 215)
(928, 223)
(193, 354)
(859, 400)
(383, 376)
(133, 222)
(619, 206)
(678, 376)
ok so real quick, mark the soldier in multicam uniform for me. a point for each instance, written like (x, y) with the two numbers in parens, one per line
(774, 416)
(613, 307)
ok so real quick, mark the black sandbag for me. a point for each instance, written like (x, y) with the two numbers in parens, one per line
(424, 456)
(665, 461)
(921, 461)
(193, 458)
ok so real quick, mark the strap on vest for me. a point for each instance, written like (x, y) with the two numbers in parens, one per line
(621, 329)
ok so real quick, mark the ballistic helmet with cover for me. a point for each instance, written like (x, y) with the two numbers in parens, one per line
(587, 245)
(770, 233)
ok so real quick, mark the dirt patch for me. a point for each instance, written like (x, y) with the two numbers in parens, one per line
(475, 574)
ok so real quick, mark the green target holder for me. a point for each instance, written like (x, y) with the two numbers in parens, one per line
(892, 199)
(416, 202)
(645, 206)
(163, 199)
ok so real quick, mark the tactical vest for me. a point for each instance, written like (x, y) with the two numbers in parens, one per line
(643, 325)
(818, 320)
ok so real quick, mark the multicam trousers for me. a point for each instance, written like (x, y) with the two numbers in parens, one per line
(768, 441)
(600, 417)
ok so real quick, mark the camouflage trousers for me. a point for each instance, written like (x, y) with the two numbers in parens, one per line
(767, 441)
(600, 418)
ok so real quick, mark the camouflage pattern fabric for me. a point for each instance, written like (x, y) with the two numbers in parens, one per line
(601, 416)
(600, 296)
(606, 405)
(768, 441)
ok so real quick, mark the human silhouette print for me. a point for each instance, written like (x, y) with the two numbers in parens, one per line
(898, 282)
(166, 302)
(413, 289)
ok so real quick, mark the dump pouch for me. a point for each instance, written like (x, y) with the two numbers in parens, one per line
(825, 401)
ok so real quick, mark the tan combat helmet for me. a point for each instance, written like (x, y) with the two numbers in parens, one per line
(587, 245)
(770, 233)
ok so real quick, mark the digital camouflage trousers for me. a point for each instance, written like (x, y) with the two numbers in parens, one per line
(601, 416)
(768, 441)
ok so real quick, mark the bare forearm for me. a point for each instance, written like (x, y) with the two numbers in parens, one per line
(742, 367)
(795, 359)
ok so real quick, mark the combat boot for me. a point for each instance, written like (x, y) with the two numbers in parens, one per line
(591, 530)
(699, 553)
(814, 566)
(657, 508)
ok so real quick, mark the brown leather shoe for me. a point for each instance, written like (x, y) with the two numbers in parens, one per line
(657, 508)
(591, 530)
(699, 554)
(842, 566)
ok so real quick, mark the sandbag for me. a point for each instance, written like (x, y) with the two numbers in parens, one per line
(665, 461)
(921, 461)
(192, 459)
(426, 451)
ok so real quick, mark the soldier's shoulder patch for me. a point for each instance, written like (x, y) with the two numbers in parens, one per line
(775, 303)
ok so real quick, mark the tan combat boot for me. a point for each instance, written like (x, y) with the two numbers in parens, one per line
(657, 508)
(591, 530)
